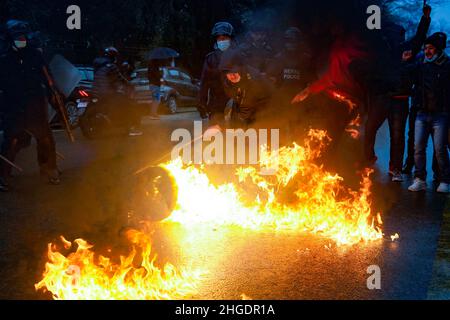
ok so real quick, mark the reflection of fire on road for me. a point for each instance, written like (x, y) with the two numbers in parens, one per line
(84, 276)
(321, 203)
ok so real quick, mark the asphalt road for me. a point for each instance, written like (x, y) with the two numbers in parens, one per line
(260, 265)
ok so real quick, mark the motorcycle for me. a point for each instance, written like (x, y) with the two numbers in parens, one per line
(99, 117)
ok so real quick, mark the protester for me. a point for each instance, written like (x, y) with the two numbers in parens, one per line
(387, 100)
(26, 91)
(430, 79)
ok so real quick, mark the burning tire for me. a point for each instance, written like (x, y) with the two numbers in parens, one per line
(152, 197)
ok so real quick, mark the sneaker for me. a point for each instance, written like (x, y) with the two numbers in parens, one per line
(443, 188)
(134, 132)
(4, 187)
(418, 185)
(397, 176)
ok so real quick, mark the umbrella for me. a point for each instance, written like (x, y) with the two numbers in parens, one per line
(162, 53)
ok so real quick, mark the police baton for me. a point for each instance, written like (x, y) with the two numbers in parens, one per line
(59, 105)
(11, 163)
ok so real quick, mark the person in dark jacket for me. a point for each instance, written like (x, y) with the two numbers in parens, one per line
(291, 70)
(387, 100)
(212, 96)
(107, 87)
(250, 90)
(255, 48)
(430, 80)
(26, 91)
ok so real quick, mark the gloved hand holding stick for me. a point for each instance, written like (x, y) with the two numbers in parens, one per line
(59, 104)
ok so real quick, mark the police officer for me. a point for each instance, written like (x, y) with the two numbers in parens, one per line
(291, 70)
(26, 90)
(255, 49)
(108, 82)
(212, 96)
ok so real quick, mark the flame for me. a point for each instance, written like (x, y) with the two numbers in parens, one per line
(353, 128)
(321, 203)
(82, 276)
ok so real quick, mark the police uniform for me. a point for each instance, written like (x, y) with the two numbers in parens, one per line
(212, 96)
(25, 89)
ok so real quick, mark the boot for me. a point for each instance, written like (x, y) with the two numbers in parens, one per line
(51, 174)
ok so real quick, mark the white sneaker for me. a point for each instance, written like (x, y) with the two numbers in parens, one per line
(418, 185)
(443, 188)
(397, 177)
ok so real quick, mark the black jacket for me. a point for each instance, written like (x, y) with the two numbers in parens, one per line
(258, 57)
(252, 93)
(212, 95)
(22, 78)
(107, 77)
(292, 69)
(387, 71)
(429, 84)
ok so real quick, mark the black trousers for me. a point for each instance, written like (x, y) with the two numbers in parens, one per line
(396, 112)
(19, 127)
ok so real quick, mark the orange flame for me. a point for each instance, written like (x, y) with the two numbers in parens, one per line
(82, 276)
(321, 203)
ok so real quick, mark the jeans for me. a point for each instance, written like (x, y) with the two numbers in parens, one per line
(396, 112)
(410, 149)
(436, 125)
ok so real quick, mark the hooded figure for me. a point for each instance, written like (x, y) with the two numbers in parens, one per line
(247, 86)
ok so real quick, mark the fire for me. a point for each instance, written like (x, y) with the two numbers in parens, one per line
(83, 276)
(319, 203)
(354, 126)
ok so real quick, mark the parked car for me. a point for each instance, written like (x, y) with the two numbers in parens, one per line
(78, 99)
(80, 96)
(178, 87)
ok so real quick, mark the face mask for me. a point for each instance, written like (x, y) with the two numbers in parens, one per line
(20, 44)
(223, 45)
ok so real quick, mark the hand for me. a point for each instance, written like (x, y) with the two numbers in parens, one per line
(427, 11)
(302, 96)
(407, 55)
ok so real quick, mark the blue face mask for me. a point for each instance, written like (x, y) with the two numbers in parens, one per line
(223, 45)
(20, 44)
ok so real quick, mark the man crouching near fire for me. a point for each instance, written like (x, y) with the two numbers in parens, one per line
(430, 78)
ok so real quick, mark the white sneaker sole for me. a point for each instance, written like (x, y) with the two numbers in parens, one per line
(417, 190)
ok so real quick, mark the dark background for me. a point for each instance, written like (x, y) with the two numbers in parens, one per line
(139, 25)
